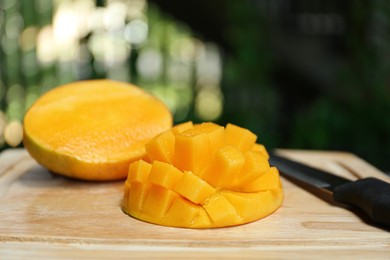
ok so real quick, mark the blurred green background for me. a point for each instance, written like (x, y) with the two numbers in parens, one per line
(300, 74)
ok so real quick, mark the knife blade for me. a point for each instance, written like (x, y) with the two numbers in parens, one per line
(370, 195)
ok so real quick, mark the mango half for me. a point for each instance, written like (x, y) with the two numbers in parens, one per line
(202, 176)
(93, 129)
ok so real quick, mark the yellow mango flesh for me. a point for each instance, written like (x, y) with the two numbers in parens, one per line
(193, 188)
(224, 167)
(93, 129)
(255, 162)
(203, 176)
(161, 148)
(164, 174)
(191, 151)
(240, 137)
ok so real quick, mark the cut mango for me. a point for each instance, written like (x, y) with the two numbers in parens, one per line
(181, 213)
(135, 197)
(139, 172)
(215, 134)
(157, 203)
(255, 163)
(245, 203)
(192, 151)
(261, 148)
(268, 181)
(93, 130)
(164, 174)
(201, 221)
(224, 167)
(240, 137)
(180, 128)
(193, 188)
(221, 211)
(203, 176)
(161, 148)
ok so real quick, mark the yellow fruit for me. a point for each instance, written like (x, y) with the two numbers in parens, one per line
(203, 176)
(92, 130)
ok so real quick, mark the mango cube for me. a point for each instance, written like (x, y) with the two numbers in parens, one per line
(192, 151)
(224, 167)
(193, 188)
(164, 174)
(221, 211)
(157, 202)
(239, 137)
(255, 166)
(215, 134)
(202, 220)
(180, 128)
(261, 148)
(138, 172)
(135, 197)
(267, 181)
(161, 148)
(182, 213)
(244, 203)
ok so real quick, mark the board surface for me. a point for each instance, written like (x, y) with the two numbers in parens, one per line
(46, 215)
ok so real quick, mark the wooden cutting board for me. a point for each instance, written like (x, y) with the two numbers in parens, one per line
(48, 216)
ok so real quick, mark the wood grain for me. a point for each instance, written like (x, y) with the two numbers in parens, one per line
(45, 215)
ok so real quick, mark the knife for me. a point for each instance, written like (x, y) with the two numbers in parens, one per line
(370, 195)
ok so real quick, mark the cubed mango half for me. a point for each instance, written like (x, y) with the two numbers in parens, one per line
(203, 176)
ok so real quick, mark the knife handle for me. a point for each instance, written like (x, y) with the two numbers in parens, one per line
(370, 194)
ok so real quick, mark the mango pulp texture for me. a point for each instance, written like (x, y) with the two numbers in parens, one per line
(202, 176)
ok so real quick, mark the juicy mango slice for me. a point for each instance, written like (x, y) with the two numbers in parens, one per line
(203, 176)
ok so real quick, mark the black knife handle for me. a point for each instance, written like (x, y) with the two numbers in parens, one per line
(371, 195)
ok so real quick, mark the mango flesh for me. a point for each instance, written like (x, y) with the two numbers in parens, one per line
(93, 130)
(202, 176)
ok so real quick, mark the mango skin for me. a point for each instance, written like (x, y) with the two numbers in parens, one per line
(233, 185)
